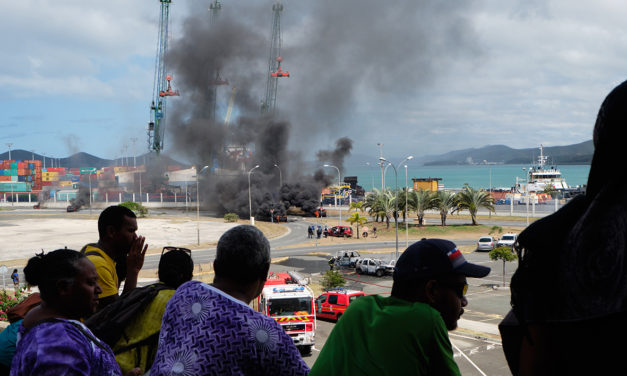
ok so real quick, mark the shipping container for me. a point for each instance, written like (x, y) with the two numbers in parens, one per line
(5, 178)
(15, 187)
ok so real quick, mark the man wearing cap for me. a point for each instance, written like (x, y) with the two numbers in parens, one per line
(406, 333)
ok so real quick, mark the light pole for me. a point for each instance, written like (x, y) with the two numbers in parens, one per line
(527, 194)
(9, 144)
(380, 145)
(90, 192)
(406, 212)
(371, 176)
(280, 176)
(197, 203)
(339, 184)
(250, 202)
(396, 200)
(134, 139)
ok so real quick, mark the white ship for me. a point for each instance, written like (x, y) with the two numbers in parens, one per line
(540, 177)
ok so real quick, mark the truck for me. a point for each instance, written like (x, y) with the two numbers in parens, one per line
(332, 303)
(290, 302)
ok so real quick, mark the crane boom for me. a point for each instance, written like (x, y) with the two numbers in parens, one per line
(162, 84)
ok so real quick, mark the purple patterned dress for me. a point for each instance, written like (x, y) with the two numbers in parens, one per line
(207, 332)
(62, 347)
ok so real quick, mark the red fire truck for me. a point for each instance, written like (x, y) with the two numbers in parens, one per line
(287, 299)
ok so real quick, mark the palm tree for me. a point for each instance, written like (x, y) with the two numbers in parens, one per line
(472, 199)
(445, 202)
(419, 201)
(357, 205)
(358, 219)
(402, 203)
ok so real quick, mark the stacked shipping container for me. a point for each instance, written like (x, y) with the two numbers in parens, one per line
(20, 176)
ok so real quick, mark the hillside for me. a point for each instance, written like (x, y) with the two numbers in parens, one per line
(569, 154)
(83, 159)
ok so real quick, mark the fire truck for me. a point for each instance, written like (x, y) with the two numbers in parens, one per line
(288, 300)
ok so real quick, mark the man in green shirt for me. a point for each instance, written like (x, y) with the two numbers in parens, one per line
(406, 333)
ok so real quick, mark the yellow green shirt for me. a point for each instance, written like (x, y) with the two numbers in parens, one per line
(105, 266)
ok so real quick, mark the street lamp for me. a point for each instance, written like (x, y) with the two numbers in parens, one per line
(380, 145)
(406, 212)
(396, 200)
(371, 176)
(9, 144)
(280, 176)
(339, 184)
(197, 203)
(250, 202)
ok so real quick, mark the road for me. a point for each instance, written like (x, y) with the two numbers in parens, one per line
(477, 343)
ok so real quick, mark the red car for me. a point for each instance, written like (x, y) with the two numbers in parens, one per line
(341, 231)
(333, 303)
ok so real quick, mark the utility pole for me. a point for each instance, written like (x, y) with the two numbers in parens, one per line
(381, 162)
(133, 140)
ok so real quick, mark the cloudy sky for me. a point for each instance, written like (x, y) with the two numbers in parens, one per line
(420, 77)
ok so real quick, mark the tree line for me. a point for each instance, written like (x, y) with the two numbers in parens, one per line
(382, 204)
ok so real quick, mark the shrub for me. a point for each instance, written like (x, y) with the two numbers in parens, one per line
(138, 208)
(8, 300)
(503, 253)
(332, 279)
(231, 217)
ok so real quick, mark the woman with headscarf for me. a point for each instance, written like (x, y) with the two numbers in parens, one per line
(569, 293)
(52, 340)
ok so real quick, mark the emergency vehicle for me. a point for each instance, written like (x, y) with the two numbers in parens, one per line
(333, 303)
(290, 302)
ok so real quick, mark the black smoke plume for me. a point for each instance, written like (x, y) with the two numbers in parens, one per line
(337, 54)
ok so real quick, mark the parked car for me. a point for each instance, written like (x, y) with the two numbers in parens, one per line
(370, 266)
(333, 303)
(486, 243)
(341, 231)
(507, 240)
(346, 259)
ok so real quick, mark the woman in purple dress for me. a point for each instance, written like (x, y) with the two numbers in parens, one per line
(52, 340)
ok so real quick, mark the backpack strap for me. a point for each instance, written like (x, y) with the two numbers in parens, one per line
(91, 253)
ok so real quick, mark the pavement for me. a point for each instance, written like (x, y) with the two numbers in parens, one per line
(22, 236)
(26, 236)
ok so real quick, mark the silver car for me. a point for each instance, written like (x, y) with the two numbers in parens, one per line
(507, 240)
(486, 243)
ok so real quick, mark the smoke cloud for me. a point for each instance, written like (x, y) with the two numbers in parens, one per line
(337, 53)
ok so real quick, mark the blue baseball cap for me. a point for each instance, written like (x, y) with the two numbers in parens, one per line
(433, 257)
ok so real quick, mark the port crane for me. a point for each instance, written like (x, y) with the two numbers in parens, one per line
(268, 105)
(162, 87)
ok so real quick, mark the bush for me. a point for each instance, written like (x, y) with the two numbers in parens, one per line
(231, 217)
(332, 279)
(8, 300)
(139, 209)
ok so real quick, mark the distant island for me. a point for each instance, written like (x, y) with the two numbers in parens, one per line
(500, 154)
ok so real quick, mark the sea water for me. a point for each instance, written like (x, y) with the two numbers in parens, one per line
(476, 176)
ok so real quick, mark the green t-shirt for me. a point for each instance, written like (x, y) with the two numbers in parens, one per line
(387, 336)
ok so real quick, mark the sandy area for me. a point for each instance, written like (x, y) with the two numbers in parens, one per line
(22, 238)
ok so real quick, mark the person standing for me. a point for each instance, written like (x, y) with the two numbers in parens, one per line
(212, 330)
(16, 280)
(119, 253)
(405, 333)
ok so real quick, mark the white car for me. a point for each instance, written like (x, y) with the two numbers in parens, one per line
(486, 243)
(370, 266)
(507, 240)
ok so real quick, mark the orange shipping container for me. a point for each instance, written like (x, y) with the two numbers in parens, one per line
(5, 178)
